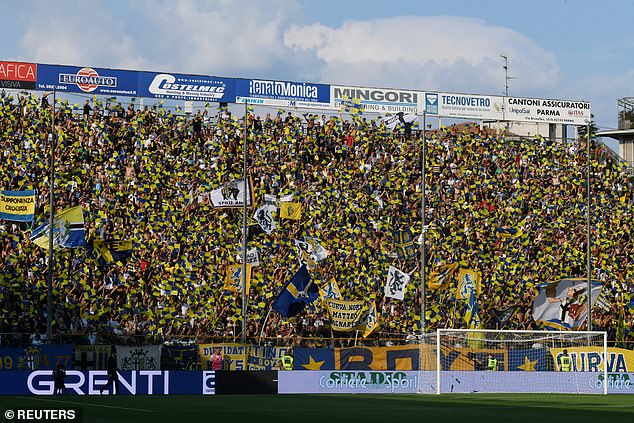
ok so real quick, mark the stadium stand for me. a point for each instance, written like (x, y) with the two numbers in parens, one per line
(512, 208)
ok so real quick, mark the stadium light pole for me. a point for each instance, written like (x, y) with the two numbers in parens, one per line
(244, 226)
(588, 251)
(422, 218)
(51, 217)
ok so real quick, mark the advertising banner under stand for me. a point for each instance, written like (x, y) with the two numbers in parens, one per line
(178, 86)
(18, 75)
(465, 106)
(77, 79)
(544, 110)
(376, 100)
(303, 95)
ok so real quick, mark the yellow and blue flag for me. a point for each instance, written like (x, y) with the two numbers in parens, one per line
(68, 230)
(18, 206)
(298, 292)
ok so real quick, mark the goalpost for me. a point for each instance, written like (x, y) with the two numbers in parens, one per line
(475, 360)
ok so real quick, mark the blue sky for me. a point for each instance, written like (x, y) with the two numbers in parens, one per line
(569, 49)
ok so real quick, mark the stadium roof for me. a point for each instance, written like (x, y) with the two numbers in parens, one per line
(618, 134)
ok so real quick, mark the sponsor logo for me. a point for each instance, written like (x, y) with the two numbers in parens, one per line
(209, 383)
(88, 80)
(391, 381)
(616, 382)
(280, 89)
(40, 382)
(17, 71)
(377, 95)
(431, 103)
(461, 100)
(168, 85)
(575, 113)
(519, 111)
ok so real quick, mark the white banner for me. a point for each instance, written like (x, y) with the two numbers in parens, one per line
(396, 283)
(544, 110)
(563, 305)
(139, 358)
(253, 258)
(349, 382)
(232, 194)
(264, 216)
(376, 100)
(466, 106)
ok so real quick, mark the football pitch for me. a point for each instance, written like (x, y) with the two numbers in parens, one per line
(474, 408)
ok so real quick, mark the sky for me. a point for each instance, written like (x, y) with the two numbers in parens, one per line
(563, 49)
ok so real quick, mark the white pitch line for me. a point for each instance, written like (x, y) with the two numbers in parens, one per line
(89, 403)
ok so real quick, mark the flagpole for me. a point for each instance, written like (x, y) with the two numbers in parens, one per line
(51, 216)
(244, 226)
(266, 319)
(588, 251)
(422, 249)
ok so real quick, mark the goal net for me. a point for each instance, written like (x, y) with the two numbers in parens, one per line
(521, 361)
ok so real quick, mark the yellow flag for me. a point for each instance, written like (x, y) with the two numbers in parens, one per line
(290, 210)
(233, 280)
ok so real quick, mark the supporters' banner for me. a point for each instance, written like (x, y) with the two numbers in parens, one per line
(345, 316)
(91, 357)
(467, 106)
(18, 75)
(603, 302)
(36, 357)
(179, 357)
(563, 305)
(545, 110)
(265, 358)
(187, 87)
(109, 251)
(591, 359)
(378, 358)
(87, 80)
(17, 206)
(502, 317)
(290, 210)
(404, 243)
(468, 284)
(376, 100)
(330, 290)
(400, 118)
(253, 258)
(282, 93)
(146, 357)
(298, 292)
(474, 358)
(396, 283)
(68, 230)
(442, 276)
(234, 356)
(233, 279)
(232, 194)
(264, 216)
(309, 252)
(370, 321)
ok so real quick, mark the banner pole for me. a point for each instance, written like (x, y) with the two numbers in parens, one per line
(423, 289)
(588, 250)
(244, 226)
(51, 217)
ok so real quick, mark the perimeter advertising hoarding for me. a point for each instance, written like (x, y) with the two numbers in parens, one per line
(18, 75)
(176, 86)
(465, 106)
(88, 80)
(304, 95)
(134, 382)
(545, 110)
(377, 100)
(349, 382)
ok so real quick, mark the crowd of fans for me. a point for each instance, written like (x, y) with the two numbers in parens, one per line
(143, 175)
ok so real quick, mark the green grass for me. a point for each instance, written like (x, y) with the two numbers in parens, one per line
(471, 408)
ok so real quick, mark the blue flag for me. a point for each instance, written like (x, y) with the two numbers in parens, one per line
(298, 292)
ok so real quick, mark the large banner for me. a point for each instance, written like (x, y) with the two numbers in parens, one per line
(17, 205)
(234, 356)
(178, 86)
(36, 357)
(563, 305)
(18, 75)
(231, 194)
(345, 316)
(348, 382)
(91, 357)
(376, 100)
(466, 106)
(265, 358)
(591, 359)
(545, 110)
(139, 358)
(77, 79)
(303, 95)
(135, 382)
(407, 357)
(179, 357)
